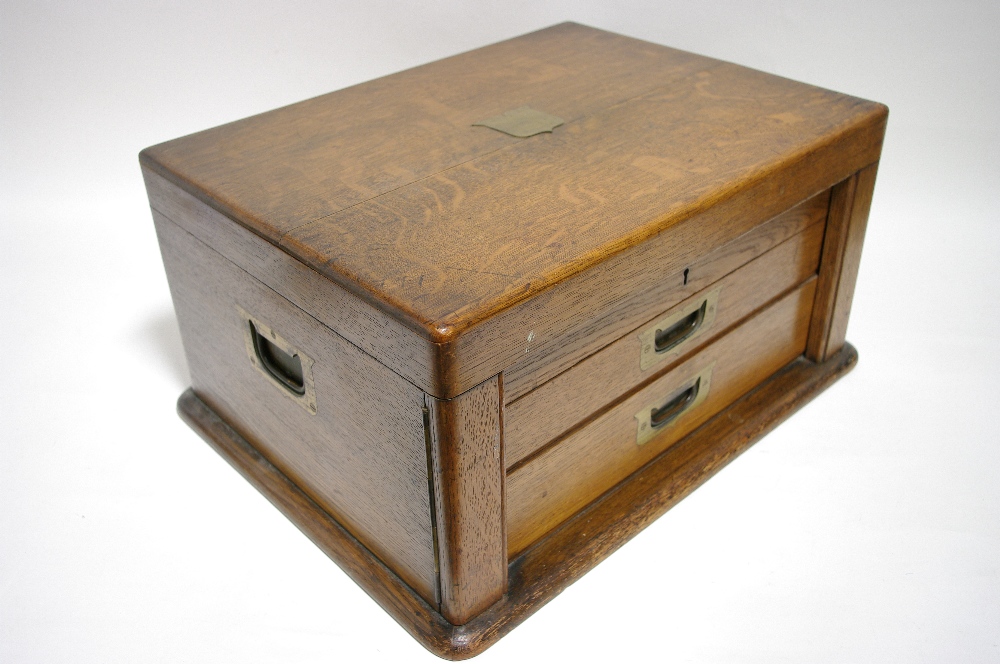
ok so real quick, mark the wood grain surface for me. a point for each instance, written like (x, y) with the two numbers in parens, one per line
(275, 171)
(598, 308)
(849, 207)
(388, 340)
(361, 457)
(457, 231)
(582, 391)
(470, 302)
(456, 248)
(576, 469)
(569, 552)
(466, 447)
(590, 313)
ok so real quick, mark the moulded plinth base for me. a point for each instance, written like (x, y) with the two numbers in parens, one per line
(550, 565)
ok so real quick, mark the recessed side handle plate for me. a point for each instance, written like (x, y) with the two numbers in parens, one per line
(663, 414)
(669, 336)
(283, 364)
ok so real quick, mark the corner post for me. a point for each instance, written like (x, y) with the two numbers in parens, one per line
(465, 436)
(846, 222)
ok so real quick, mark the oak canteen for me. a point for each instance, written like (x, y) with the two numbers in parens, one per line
(473, 325)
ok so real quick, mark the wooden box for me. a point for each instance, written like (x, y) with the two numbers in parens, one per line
(474, 325)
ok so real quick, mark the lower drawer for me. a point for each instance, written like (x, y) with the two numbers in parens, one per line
(574, 470)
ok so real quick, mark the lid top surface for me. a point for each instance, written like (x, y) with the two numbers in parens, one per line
(393, 189)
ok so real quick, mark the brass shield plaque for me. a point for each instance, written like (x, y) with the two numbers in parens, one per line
(522, 122)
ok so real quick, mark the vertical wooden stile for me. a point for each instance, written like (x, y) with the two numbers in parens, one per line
(467, 468)
(850, 203)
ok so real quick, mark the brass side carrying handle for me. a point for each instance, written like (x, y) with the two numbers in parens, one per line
(284, 365)
(660, 416)
(670, 335)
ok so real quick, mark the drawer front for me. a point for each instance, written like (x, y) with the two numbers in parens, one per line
(548, 411)
(593, 310)
(567, 475)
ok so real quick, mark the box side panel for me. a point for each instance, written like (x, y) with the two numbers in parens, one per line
(361, 455)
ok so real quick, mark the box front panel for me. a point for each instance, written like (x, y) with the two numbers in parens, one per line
(563, 325)
(574, 470)
(590, 385)
(344, 428)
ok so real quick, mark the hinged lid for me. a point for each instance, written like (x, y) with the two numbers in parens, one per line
(393, 190)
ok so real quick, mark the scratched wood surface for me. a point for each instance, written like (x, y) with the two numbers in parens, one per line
(466, 448)
(454, 230)
(581, 392)
(578, 468)
(361, 457)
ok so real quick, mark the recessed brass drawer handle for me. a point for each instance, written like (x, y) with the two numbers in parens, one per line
(285, 366)
(670, 335)
(668, 412)
(660, 416)
(666, 339)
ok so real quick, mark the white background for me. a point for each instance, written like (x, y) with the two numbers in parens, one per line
(865, 529)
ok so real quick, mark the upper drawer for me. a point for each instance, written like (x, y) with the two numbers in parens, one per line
(546, 412)
(603, 311)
